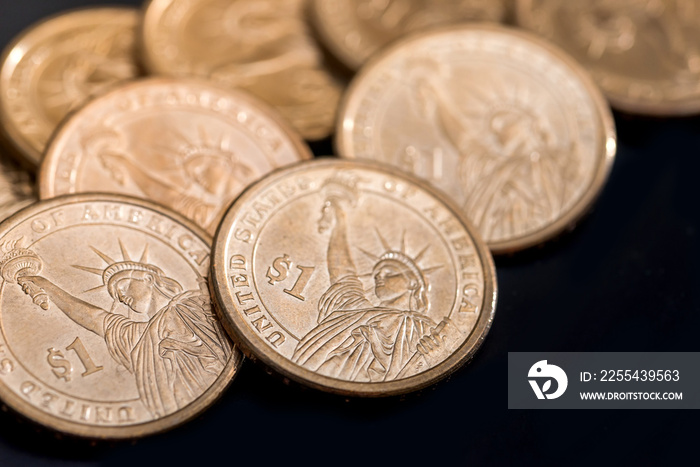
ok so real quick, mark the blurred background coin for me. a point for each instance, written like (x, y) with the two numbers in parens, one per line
(316, 278)
(506, 124)
(186, 144)
(262, 46)
(56, 65)
(16, 187)
(355, 29)
(108, 328)
(645, 54)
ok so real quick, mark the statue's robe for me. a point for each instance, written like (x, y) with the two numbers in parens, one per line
(175, 356)
(357, 341)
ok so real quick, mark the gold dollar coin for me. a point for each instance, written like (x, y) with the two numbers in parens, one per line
(262, 46)
(350, 278)
(189, 145)
(108, 328)
(356, 29)
(55, 66)
(506, 124)
(644, 54)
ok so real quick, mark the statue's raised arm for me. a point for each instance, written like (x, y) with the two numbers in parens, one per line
(340, 195)
(86, 315)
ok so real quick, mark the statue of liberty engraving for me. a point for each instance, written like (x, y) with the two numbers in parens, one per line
(514, 173)
(171, 340)
(360, 337)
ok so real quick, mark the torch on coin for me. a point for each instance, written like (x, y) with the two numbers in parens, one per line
(19, 262)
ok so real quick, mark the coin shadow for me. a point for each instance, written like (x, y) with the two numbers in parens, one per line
(277, 393)
(24, 435)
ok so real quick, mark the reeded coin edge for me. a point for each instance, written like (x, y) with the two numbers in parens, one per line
(30, 156)
(258, 350)
(607, 124)
(52, 156)
(619, 101)
(192, 410)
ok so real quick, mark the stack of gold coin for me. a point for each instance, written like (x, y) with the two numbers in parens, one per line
(357, 277)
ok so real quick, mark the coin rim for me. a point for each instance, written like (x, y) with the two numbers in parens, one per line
(168, 422)
(620, 101)
(259, 350)
(52, 156)
(608, 135)
(36, 32)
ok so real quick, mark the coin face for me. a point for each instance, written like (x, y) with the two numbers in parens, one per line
(189, 145)
(107, 323)
(645, 54)
(262, 46)
(55, 66)
(16, 187)
(318, 280)
(507, 125)
(356, 29)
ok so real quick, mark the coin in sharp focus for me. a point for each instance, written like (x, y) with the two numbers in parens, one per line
(644, 54)
(108, 328)
(189, 145)
(16, 187)
(352, 279)
(506, 124)
(262, 46)
(56, 65)
(354, 30)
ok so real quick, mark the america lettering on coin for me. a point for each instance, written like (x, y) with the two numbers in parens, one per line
(116, 327)
(361, 299)
(186, 144)
(503, 126)
(204, 175)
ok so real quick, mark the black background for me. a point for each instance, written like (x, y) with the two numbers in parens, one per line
(626, 279)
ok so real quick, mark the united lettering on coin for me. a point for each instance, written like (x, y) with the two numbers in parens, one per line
(169, 338)
(353, 301)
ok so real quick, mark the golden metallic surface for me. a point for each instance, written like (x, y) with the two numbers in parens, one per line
(262, 46)
(644, 54)
(56, 65)
(16, 187)
(189, 145)
(352, 279)
(356, 29)
(107, 322)
(506, 124)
